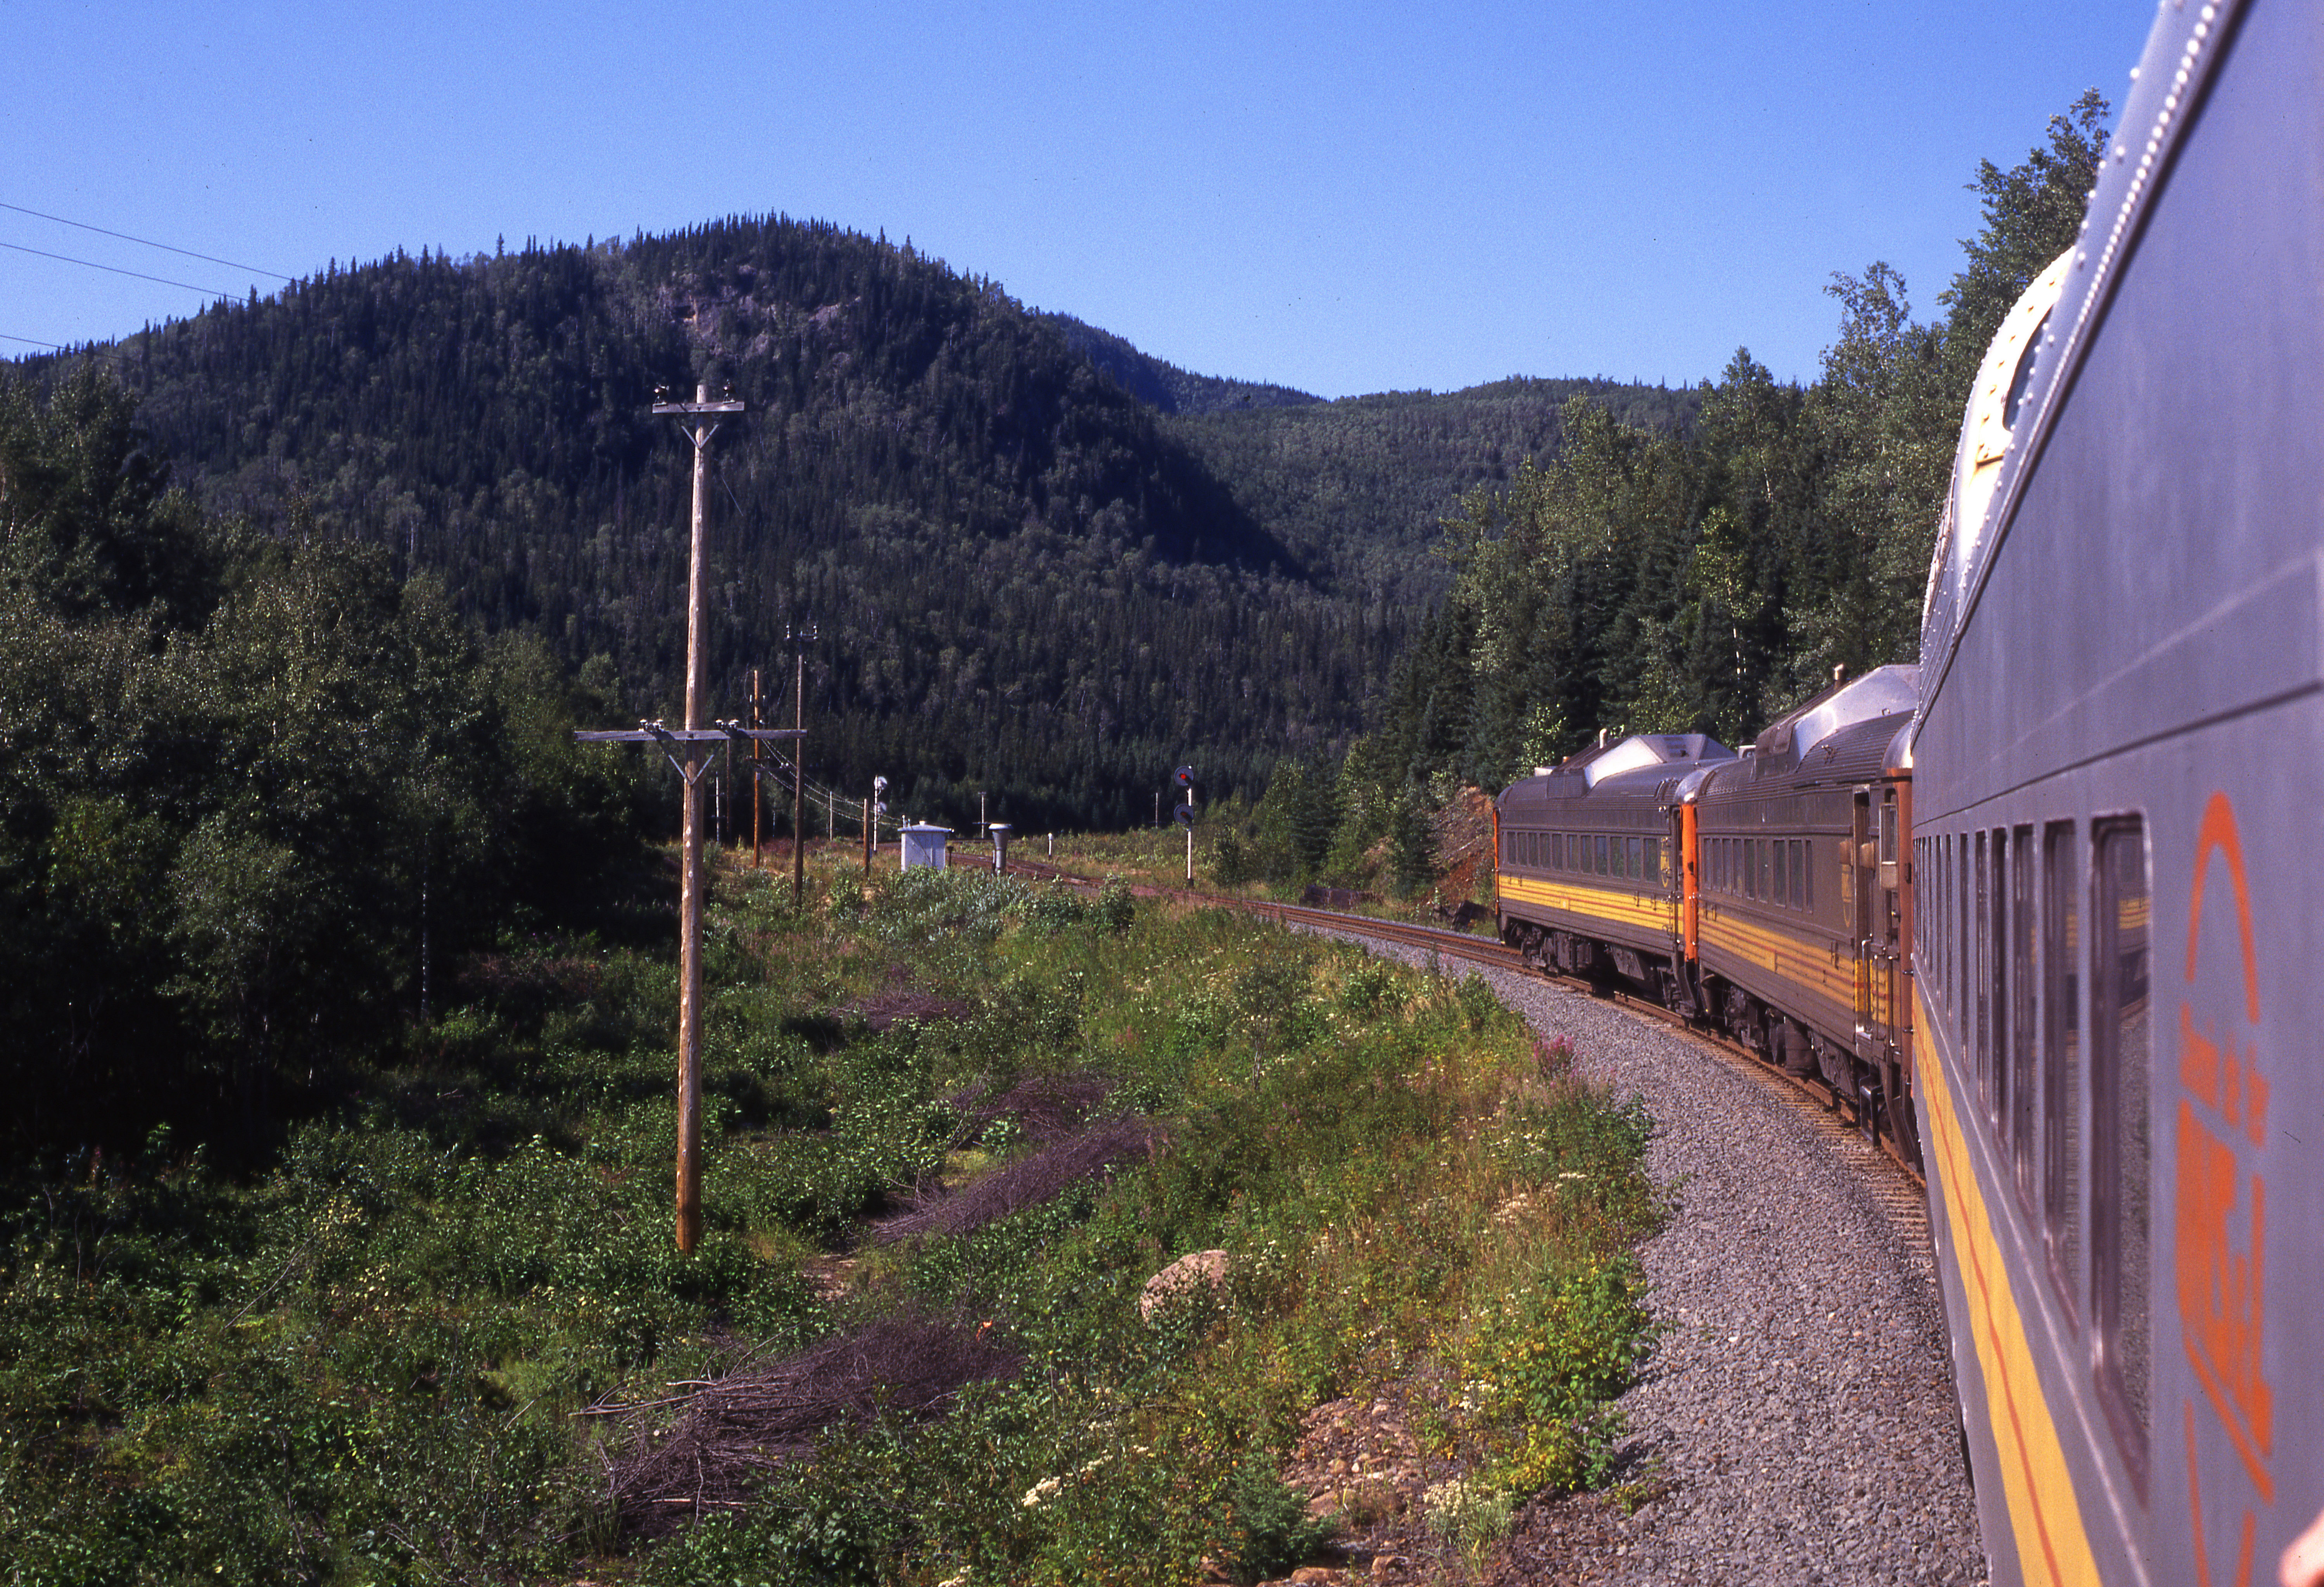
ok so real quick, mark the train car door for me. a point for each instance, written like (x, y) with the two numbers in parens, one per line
(1871, 929)
(1888, 925)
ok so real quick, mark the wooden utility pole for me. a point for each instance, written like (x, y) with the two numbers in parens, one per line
(799, 768)
(700, 419)
(756, 863)
(867, 837)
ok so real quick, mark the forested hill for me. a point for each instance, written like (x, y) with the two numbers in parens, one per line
(1164, 385)
(1016, 581)
(1399, 465)
(1022, 578)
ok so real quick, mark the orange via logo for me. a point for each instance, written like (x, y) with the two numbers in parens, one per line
(2221, 1244)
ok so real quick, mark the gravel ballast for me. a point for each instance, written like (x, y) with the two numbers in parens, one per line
(1796, 1422)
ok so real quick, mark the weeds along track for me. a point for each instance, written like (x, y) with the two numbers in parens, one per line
(1798, 1424)
(1895, 1182)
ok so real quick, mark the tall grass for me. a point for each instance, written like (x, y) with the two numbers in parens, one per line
(385, 1358)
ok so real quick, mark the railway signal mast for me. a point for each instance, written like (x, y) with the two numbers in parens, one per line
(1184, 814)
(689, 750)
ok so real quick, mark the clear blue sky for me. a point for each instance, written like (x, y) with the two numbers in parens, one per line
(1345, 199)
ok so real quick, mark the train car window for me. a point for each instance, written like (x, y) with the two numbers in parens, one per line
(1803, 878)
(2119, 1248)
(1939, 959)
(1630, 849)
(1978, 915)
(2022, 380)
(1965, 874)
(1944, 921)
(1779, 881)
(1887, 834)
(1996, 1096)
(1601, 867)
(2022, 958)
(2061, 1079)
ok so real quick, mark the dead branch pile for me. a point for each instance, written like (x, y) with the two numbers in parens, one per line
(737, 1430)
(880, 1010)
(1046, 1106)
(1027, 1182)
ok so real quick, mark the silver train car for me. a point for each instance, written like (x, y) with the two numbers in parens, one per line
(2119, 737)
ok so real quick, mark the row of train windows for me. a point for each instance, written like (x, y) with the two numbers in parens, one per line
(2002, 915)
(1772, 870)
(1588, 854)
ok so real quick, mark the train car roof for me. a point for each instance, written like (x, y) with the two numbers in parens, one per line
(1885, 691)
(1640, 765)
(1861, 752)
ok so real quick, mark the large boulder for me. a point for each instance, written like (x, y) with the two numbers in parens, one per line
(1190, 1272)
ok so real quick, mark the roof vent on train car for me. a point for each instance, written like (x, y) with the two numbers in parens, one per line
(1650, 749)
(1885, 691)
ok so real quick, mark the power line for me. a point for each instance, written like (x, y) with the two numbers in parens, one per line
(116, 269)
(147, 243)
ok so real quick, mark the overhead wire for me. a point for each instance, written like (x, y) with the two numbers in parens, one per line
(116, 270)
(841, 807)
(146, 243)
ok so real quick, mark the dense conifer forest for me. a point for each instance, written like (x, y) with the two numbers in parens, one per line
(1021, 576)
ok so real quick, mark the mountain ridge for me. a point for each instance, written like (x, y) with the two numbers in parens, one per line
(1027, 579)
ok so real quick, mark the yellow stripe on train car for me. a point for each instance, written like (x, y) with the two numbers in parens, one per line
(2045, 1516)
(1628, 908)
(1811, 964)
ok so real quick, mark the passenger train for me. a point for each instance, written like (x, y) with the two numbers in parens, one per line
(2041, 913)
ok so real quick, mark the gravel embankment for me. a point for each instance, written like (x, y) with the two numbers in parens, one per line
(1798, 1410)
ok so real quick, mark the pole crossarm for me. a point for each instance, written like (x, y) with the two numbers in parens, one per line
(683, 746)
